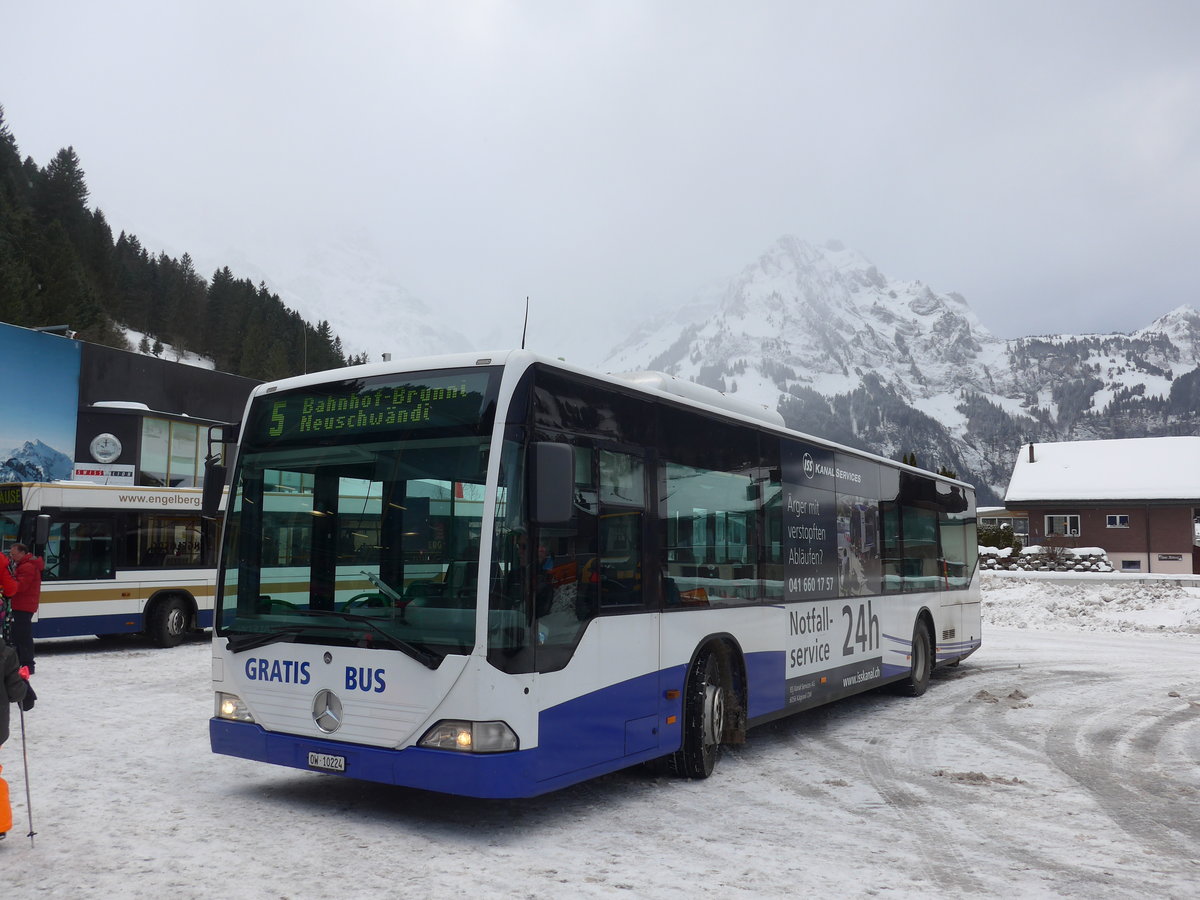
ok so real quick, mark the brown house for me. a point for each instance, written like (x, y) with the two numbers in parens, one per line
(1138, 499)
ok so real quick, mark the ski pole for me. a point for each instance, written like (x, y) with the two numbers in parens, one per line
(25, 759)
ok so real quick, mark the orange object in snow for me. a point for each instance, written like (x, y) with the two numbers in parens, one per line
(5, 806)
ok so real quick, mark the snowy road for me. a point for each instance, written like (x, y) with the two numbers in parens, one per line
(1050, 764)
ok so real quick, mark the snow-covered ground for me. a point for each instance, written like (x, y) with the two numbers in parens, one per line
(1061, 760)
(169, 352)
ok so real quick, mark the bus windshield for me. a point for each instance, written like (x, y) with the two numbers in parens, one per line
(362, 529)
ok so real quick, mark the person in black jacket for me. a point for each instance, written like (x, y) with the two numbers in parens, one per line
(15, 684)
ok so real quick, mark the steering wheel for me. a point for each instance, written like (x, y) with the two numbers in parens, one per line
(369, 598)
(271, 602)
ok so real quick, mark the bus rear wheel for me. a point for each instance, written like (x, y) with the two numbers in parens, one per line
(169, 621)
(704, 712)
(922, 662)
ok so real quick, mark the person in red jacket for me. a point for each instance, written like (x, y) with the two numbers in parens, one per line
(27, 569)
(8, 587)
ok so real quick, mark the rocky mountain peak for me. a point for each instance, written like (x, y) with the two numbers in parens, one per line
(893, 366)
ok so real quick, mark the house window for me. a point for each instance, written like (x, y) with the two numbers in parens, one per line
(1118, 521)
(1018, 526)
(1131, 565)
(1066, 526)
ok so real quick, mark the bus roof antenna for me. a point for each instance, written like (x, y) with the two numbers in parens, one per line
(525, 327)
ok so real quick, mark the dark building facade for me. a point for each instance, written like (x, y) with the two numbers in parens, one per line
(85, 412)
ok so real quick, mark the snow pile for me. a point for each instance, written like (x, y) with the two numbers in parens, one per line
(1036, 549)
(1046, 605)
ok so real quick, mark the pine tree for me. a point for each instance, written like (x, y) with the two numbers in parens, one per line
(12, 189)
(18, 284)
(61, 195)
(218, 331)
(60, 276)
(184, 325)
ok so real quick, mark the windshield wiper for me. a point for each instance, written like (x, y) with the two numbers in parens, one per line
(425, 657)
(249, 640)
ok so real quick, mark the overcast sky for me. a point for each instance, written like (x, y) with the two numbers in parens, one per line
(1040, 158)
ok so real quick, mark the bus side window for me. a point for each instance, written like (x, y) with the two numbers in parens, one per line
(709, 537)
(566, 569)
(53, 554)
(622, 501)
(621, 558)
(80, 548)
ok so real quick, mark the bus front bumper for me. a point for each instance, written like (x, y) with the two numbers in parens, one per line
(486, 775)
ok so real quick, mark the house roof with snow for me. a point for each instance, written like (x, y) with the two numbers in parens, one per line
(1132, 469)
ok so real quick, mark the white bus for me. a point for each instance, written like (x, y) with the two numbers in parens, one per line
(496, 576)
(118, 560)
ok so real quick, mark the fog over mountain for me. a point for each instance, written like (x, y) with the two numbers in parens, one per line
(842, 350)
(848, 354)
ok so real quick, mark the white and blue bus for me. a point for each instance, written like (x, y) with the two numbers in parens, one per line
(118, 560)
(497, 576)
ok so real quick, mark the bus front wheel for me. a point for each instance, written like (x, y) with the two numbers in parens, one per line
(704, 711)
(169, 621)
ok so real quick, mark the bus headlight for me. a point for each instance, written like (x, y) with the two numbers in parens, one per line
(470, 737)
(230, 706)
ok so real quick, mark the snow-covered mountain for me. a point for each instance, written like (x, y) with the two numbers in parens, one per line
(897, 367)
(34, 461)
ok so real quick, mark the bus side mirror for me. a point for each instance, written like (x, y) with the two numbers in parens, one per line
(41, 531)
(215, 470)
(214, 486)
(551, 483)
(221, 434)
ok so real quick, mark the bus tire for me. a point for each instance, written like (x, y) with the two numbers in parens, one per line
(170, 621)
(704, 709)
(922, 662)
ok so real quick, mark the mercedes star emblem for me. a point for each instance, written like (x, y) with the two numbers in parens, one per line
(327, 711)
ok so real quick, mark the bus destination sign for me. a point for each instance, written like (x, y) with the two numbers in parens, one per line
(10, 497)
(360, 408)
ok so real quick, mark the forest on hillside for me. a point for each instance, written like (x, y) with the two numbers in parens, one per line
(60, 265)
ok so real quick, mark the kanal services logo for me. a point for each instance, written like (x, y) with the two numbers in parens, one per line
(809, 466)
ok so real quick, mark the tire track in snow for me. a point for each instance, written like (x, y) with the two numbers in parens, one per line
(944, 863)
(1113, 756)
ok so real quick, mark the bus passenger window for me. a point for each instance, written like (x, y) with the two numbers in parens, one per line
(921, 565)
(710, 541)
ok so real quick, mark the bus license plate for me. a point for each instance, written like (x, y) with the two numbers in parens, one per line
(325, 761)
